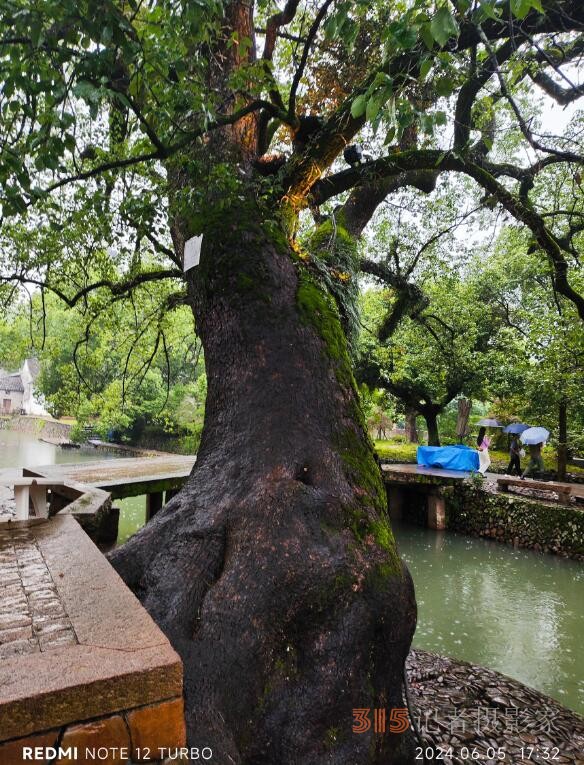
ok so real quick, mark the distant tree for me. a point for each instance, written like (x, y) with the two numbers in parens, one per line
(445, 350)
(539, 375)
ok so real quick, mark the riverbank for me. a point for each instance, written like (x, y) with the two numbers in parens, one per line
(547, 527)
(58, 434)
(38, 426)
(470, 713)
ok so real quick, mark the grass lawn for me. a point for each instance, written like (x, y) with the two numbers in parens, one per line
(390, 451)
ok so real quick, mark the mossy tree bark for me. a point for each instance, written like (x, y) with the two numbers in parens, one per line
(274, 571)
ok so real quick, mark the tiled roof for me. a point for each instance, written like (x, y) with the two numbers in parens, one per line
(12, 383)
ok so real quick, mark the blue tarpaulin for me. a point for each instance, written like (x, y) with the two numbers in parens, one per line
(459, 457)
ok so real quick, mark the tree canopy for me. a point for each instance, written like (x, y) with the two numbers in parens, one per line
(100, 99)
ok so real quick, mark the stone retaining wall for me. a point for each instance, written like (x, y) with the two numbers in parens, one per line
(535, 524)
(542, 526)
(39, 425)
(82, 665)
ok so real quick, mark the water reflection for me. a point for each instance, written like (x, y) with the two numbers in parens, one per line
(18, 450)
(516, 611)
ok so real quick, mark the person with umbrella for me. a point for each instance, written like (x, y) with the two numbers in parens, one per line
(515, 447)
(534, 438)
(514, 456)
(483, 443)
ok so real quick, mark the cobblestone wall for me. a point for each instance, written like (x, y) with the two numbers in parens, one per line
(523, 522)
(542, 526)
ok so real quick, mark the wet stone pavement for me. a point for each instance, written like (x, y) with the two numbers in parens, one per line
(32, 616)
(7, 507)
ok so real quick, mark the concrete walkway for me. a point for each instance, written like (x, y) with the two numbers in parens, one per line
(124, 477)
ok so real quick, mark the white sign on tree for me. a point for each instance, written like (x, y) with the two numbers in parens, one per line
(192, 253)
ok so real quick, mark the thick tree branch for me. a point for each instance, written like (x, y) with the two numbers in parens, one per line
(364, 200)
(470, 90)
(562, 96)
(273, 27)
(312, 32)
(451, 162)
(340, 128)
(116, 288)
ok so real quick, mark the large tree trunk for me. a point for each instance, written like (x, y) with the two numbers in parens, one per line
(562, 440)
(411, 430)
(464, 410)
(430, 415)
(274, 571)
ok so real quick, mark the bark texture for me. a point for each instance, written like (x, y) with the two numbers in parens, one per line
(274, 571)
(411, 429)
(464, 410)
(430, 414)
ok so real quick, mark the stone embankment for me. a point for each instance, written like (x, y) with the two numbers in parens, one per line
(39, 426)
(520, 521)
(467, 713)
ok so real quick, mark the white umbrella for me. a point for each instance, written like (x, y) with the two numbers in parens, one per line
(533, 436)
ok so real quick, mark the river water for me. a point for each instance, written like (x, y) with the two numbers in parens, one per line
(515, 611)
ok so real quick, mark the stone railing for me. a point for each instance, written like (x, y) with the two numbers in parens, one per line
(46, 497)
(82, 665)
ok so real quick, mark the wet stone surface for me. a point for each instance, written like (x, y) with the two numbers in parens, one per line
(7, 507)
(470, 713)
(32, 616)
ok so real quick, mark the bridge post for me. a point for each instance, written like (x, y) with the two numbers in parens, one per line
(395, 500)
(436, 511)
(38, 495)
(21, 500)
(153, 504)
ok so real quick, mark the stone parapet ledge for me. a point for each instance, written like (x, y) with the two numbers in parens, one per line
(81, 662)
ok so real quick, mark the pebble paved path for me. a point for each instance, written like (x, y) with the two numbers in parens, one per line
(32, 616)
(475, 714)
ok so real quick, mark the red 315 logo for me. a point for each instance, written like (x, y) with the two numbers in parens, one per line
(398, 720)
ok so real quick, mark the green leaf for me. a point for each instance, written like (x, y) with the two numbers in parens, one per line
(444, 86)
(358, 107)
(489, 10)
(389, 136)
(425, 67)
(520, 8)
(372, 108)
(443, 26)
(427, 37)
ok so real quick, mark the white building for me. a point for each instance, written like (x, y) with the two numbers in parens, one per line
(17, 391)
